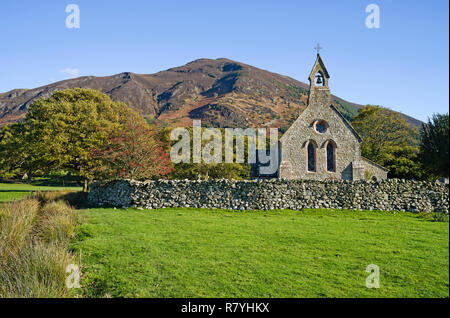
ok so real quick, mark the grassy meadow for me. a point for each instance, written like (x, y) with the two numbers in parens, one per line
(10, 191)
(215, 253)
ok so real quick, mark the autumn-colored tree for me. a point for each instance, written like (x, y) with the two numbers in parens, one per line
(131, 152)
(434, 146)
(389, 140)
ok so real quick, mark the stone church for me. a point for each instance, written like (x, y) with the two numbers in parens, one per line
(321, 144)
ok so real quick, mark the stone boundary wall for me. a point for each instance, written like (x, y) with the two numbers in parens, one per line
(387, 195)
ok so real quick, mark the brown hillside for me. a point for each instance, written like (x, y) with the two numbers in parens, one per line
(221, 92)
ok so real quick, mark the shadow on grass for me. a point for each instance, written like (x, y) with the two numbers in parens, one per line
(76, 199)
(15, 191)
(71, 181)
(56, 183)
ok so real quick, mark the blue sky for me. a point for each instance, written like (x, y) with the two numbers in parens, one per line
(403, 65)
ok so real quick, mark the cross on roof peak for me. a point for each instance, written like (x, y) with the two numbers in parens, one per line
(318, 48)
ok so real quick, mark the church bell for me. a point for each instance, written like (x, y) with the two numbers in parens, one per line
(319, 79)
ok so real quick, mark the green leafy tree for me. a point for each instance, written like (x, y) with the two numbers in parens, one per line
(18, 153)
(389, 140)
(434, 145)
(10, 162)
(193, 171)
(59, 132)
(66, 126)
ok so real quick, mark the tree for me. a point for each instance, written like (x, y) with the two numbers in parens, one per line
(18, 154)
(202, 170)
(9, 161)
(59, 132)
(434, 145)
(193, 171)
(131, 152)
(389, 140)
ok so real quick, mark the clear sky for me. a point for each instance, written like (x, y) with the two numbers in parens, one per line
(403, 65)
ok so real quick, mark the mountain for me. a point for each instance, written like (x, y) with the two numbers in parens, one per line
(221, 92)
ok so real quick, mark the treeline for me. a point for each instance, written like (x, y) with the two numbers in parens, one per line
(84, 133)
(408, 153)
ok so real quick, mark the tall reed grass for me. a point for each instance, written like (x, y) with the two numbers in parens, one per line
(35, 234)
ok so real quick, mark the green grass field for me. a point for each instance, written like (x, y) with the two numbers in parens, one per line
(213, 253)
(311, 253)
(10, 191)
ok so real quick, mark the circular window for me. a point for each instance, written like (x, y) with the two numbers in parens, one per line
(321, 126)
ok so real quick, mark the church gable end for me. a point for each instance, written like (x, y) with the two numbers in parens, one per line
(321, 143)
(321, 126)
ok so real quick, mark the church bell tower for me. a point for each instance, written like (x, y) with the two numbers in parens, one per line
(319, 91)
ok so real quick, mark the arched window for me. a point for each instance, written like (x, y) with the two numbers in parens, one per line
(311, 154)
(331, 156)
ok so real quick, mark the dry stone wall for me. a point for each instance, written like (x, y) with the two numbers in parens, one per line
(387, 195)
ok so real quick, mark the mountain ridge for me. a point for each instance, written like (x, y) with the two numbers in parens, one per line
(221, 92)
